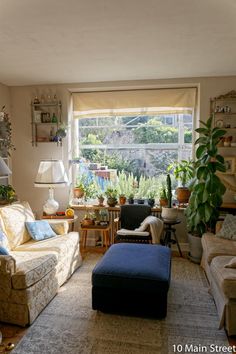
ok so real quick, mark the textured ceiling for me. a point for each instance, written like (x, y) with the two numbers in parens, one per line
(58, 41)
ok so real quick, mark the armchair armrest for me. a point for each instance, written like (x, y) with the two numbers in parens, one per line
(7, 264)
(116, 220)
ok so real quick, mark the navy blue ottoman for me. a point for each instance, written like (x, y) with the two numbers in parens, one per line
(132, 279)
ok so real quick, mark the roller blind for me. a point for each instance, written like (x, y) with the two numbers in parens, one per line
(133, 102)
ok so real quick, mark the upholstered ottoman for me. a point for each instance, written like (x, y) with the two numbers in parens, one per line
(133, 279)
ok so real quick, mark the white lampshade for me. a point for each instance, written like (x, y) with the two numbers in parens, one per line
(51, 174)
(4, 169)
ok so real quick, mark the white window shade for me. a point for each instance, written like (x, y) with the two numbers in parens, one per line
(133, 102)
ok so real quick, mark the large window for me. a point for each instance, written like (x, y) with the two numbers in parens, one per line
(141, 144)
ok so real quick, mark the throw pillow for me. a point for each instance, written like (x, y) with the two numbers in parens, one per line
(231, 264)
(3, 251)
(39, 230)
(3, 240)
(228, 229)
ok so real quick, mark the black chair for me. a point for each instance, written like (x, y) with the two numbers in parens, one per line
(131, 217)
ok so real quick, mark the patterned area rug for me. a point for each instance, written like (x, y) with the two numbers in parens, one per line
(69, 325)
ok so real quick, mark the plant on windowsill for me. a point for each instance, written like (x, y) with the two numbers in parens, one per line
(151, 198)
(111, 194)
(169, 212)
(207, 190)
(163, 196)
(183, 171)
(122, 199)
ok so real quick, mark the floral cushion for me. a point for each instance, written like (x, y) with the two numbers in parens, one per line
(228, 229)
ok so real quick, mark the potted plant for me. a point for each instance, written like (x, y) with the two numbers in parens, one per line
(169, 212)
(163, 196)
(131, 198)
(100, 199)
(183, 171)
(111, 194)
(122, 199)
(7, 194)
(207, 190)
(88, 220)
(151, 198)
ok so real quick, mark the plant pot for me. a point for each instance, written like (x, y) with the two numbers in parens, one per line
(87, 222)
(195, 248)
(111, 202)
(183, 194)
(122, 200)
(78, 192)
(100, 201)
(163, 202)
(169, 213)
(131, 200)
(140, 201)
(151, 202)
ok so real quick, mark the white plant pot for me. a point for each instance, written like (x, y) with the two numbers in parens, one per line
(169, 213)
(195, 248)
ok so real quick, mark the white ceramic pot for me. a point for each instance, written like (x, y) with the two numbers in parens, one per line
(195, 248)
(169, 213)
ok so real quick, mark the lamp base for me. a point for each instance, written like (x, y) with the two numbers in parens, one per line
(51, 206)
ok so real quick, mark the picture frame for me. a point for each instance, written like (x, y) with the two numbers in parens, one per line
(230, 164)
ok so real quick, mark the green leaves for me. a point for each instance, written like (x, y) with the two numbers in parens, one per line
(207, 188)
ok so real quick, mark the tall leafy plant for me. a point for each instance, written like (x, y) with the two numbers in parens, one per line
(207, 188)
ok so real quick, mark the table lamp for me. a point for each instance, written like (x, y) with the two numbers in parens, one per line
(51, 174)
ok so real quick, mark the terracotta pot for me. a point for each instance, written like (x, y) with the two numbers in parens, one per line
(111, 202)
(122, 200)
(87, 222)
(78, 192)
(183, 194)
(163, 202)
(100, 201)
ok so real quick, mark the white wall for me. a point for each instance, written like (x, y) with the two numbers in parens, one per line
(26, 158)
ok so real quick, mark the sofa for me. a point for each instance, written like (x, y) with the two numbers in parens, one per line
(33, 271)
(219, 263)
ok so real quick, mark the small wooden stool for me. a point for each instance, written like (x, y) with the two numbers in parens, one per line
(104, 229)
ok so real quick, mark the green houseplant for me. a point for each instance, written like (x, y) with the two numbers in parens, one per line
(111, 194)
(183, 171)
(169, 212)
(207, 189)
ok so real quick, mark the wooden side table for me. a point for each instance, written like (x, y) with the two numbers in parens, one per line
(104, 229)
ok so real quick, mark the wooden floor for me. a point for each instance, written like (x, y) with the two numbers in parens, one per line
(12, 334)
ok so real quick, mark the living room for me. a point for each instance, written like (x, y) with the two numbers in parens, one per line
(51, 51)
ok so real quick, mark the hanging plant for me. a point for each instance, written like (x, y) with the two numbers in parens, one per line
(5, 132)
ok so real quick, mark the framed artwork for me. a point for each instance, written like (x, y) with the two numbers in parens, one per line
(230, 164)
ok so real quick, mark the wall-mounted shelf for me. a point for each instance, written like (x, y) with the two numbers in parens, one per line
(45, 121)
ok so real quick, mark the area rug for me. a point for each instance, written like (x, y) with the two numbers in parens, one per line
(68, 325)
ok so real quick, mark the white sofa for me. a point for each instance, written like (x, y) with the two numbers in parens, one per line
(31, 275)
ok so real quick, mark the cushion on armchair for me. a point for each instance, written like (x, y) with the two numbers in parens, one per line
(228, 229)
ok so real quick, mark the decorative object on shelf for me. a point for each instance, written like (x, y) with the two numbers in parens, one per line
(100, 199)
(46, 115)
(5, 133)
(169, 212)
(131, 198)
(122, 199)
(219, 123)
(151, 199)
(51, 174)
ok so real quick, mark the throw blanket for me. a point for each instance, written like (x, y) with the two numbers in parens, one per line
(156, 227)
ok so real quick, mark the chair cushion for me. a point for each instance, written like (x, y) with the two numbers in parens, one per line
(39, 230)
(124, 232)
(14, 217)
